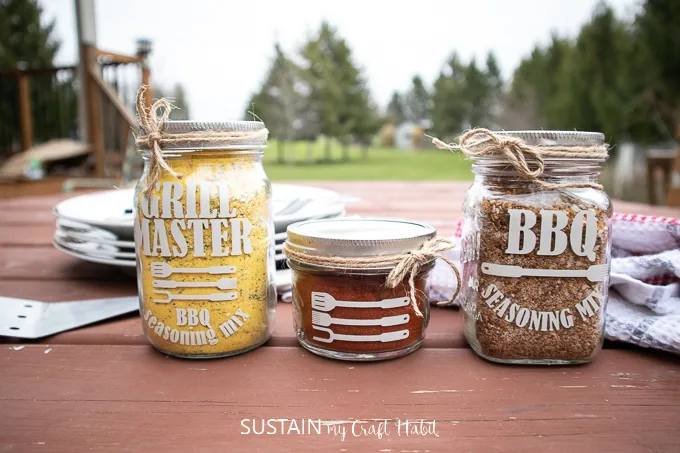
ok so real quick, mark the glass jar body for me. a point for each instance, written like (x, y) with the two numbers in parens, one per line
(205, 262)
(350, 314)
(535, 264)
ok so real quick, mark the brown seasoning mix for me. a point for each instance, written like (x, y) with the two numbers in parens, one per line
(498, 338)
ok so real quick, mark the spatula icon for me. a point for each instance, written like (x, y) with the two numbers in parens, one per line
(595, 273)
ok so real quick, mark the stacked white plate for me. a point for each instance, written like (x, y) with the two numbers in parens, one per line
(98, 227)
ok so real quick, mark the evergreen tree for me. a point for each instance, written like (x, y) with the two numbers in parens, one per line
(27, 43)
(338, 91)
(493, 72)
(449, 99)
(530, 103)
(593, 86)
(417, 104)
(277, 101)
(280, 103)
(467, 96)
(617, 77)
(23, 37)
(476, 90)
(395, 109)
(495, 98)
(658, 35)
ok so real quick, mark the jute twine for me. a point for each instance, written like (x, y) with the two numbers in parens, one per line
(406, 266)
(527, 159)
(152, 123)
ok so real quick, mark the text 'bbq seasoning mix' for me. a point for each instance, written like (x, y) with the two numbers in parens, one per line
(203, 230)
(360, 286)
(536, 246)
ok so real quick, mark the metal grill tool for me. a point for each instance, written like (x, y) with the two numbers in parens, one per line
(23, 318)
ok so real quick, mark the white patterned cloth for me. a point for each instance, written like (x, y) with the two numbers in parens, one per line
(644, 289)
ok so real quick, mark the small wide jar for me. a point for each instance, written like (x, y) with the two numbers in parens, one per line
(205, 262)
(345, 310)
(536, 254)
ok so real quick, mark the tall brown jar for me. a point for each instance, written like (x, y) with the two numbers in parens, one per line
(536, 254)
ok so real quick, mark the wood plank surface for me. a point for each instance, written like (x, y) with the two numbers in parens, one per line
(121, 398)
(48, 263)
(103, 388)
(26, 234)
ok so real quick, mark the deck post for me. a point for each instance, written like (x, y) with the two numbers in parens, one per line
(91, 122)
(25, 118)
(93, 108)
(143, 52)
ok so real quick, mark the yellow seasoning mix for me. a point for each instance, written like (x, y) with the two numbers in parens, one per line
(203, 235)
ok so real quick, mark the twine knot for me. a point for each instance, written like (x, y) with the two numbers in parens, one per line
(152, 120)
(513, 148)
(412, 262)
(153, 136)
(407, 265)
(528, 160)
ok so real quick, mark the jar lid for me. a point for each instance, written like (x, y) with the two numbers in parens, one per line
(257, 141)
(556, 138)
(358, 237)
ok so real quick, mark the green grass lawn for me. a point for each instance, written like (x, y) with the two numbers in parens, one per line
(378, 164)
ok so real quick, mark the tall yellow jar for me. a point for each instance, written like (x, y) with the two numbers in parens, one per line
(203, 236)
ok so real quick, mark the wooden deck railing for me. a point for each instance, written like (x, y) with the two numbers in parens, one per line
(45, 104)
(42, 104)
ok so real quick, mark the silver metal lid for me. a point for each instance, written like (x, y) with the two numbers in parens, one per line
(556, 138)
(358, 237)
(188, 126)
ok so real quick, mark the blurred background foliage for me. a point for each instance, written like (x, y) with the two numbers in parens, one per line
(618, 76)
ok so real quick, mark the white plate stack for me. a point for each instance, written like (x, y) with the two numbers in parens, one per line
(98, 227)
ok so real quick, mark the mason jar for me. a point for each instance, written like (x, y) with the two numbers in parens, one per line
(342, 307)
(536, 256)
(205, 258)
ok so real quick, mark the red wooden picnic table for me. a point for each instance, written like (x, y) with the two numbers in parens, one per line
(104, 388)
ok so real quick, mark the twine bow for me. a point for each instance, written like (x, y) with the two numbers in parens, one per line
(412, 263)
(407, 265)
(527, 159)
(152, 123)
